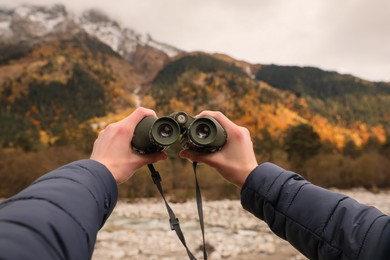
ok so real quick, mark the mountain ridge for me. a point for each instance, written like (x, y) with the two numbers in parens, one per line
(141, 68)
(35, 23)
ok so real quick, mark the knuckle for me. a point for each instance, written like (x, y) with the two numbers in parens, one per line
(215, 114)
(142, 111)
(245, 130)
(218, 114)
(116, 128)
(139, 110)
(241, 133)
(110, 126)
(122, 129)
(101, 132)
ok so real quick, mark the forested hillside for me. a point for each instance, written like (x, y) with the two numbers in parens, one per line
(343, 99)
(200, 81)
(57, 87)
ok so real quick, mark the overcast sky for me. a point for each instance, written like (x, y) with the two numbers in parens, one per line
(349, 36)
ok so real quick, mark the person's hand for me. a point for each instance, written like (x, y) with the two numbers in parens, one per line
(236, 159)
(113, 147)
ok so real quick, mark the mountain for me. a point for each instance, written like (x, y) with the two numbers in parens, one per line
(343, 99)
(354, 110)
(26, 26)
(49, 54)
(29, 23)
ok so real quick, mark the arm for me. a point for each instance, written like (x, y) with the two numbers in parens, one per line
(59, 215)
(319, 223)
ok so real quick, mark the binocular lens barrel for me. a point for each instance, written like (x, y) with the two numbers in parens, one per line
(202, 131)
(203, 134)
(154, 135)
(165, 131)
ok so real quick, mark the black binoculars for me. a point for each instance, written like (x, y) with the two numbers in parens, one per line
(203, 134)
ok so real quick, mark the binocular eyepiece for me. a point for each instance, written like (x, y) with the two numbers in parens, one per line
(202, 134)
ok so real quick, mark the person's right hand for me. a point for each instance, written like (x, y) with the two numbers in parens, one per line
(236, 159)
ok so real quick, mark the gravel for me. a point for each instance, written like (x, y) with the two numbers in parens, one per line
(140, 230)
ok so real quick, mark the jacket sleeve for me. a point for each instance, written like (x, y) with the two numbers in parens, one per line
(321, 224)
(59, 215)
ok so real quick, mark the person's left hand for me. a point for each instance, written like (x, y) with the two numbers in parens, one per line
(113, 147)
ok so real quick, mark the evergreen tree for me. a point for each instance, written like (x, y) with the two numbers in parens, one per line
(372, 144)
(385, 147)
(351, 150)
(265, 144)
(301, 143)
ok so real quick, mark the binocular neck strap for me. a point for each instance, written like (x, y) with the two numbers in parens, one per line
(200, 209)
(173, 220)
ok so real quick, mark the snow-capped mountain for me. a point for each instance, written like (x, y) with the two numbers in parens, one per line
(29, 23)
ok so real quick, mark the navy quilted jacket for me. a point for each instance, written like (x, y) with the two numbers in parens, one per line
(319, 223)
(59, 215)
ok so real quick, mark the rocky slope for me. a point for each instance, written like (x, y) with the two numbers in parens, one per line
(140, 230)
(29, 25)
(32, 23)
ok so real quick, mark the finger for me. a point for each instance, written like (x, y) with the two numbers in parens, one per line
(131, 121)
(102, 131)
(153, 158)
(220, 117)
(158, 157)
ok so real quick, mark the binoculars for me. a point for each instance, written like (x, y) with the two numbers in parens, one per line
(203, 134)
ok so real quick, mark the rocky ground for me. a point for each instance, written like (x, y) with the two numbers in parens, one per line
(140, 230)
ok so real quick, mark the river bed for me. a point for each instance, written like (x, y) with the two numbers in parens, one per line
(140, 230)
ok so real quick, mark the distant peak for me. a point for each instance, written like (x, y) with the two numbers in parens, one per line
(26, 9)
(97, 16)
(31, 23)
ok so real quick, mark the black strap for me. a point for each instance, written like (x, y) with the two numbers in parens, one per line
(200, 209)
(173, 220)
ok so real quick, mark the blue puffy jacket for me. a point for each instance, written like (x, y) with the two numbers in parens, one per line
(319, 223)
(59, 215)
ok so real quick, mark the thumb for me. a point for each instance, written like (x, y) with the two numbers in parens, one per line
(153, 158)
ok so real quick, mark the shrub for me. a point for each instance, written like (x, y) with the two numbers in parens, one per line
(19, 169)
(371, 170)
